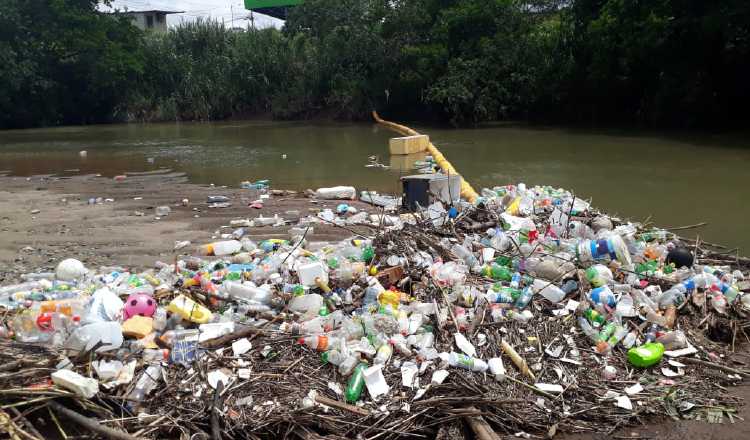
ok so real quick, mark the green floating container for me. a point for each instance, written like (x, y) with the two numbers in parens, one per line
(646, 355)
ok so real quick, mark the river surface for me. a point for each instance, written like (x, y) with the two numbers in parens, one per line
(672, 179)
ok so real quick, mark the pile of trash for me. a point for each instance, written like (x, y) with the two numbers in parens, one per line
(527, 313)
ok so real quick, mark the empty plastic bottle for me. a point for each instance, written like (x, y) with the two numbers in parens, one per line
(673, 340)
(383, 355)
(497, 272)
(676, 294)
(549, 291)
(356, 383)
(146, 383)
(319, 342)
(525, 298)
(612, 248)
(588, 330)
(596, 318)
(461, 360)
(604, 296)
(599, 275)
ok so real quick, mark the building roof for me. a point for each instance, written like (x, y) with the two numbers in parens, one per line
(157, 11)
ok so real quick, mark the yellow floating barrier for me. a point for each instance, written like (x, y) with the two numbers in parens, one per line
(467, 192)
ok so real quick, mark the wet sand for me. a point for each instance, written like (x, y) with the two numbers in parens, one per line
(112, 234)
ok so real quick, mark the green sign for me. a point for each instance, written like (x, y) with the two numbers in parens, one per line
(255, 4)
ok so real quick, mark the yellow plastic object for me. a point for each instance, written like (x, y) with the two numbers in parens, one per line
(138, 327)
(467, 192)
(189, 310)
(517, 359)
(390, 297)
(409, 144)
(322, 285)
(515, 207)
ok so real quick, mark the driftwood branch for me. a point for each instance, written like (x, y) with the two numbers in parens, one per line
(90, 424)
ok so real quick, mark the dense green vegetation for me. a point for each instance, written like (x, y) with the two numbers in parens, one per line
(656, 63)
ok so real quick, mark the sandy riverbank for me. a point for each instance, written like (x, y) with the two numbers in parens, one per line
(116, 233)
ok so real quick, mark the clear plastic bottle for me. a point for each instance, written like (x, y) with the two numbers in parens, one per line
(603, 296)
(155, 355)
(599, 275)
(319, 342)
(383, 355)
(673, 340)
(652, 316)
(525, 298)
(676, 295)
(146, 383)
(466, 255)
(461, 360)
(588, 330)
(549, 291)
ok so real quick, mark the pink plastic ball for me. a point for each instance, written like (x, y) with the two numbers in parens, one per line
(139, 304)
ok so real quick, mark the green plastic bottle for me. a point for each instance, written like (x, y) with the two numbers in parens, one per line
(368, 254)
(595, 317)
(498, 272)
(356, 383)
(646, 355)
(504, 261)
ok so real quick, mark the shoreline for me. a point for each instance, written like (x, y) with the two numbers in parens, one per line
(113, 233)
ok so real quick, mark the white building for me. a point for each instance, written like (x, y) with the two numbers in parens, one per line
(155, 20)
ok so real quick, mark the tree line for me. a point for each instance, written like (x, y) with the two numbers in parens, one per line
(655, 63)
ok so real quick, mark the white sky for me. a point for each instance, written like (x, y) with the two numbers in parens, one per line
(231, 12)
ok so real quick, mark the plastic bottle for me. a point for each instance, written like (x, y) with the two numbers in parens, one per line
(146, 383)
(460, 360)
(549, 291)
(641, 298)
(348, 365)
(319, 342)
(588, 330)
(497, 272)
(503, 296)
(670, 315)
(612, 248)
(220, 248)
(522, 317)
(155, 355)
(676, 294)
(652, 316)
(599, 275)
(525, 298)
(356, 383)
(466, 255)
(673, 340)
(596, 318)
(629, 340)
(497, 368)
(604, 296)
(515, 280)
(383, 355)
(730, 292)
(189, 310)
(617, 335)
